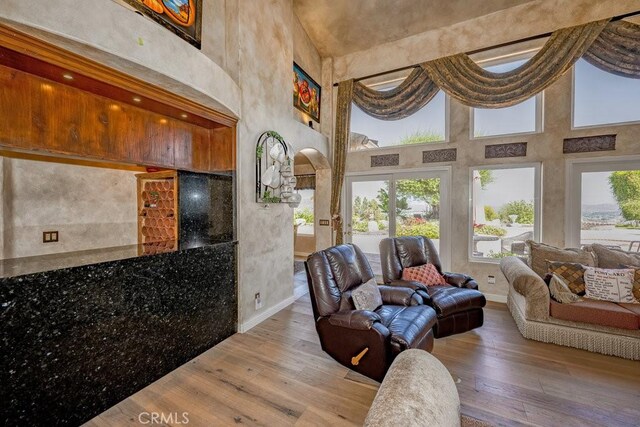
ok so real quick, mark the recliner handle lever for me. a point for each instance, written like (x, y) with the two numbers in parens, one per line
(356, 359)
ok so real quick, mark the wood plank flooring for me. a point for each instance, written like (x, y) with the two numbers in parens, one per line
(277, 375)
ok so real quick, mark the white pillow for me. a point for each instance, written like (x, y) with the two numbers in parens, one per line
(560, 290)
(609, 284)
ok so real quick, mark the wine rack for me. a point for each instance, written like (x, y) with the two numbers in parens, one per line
(157, 212)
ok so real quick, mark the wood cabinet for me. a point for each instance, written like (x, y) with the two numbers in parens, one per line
(44, 115)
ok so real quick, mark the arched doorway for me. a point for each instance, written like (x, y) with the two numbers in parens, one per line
(312, 230)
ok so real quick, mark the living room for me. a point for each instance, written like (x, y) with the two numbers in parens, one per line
(478, 138)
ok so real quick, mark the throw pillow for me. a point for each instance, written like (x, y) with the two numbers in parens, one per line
(571, 272)
(612, 258)
(367, 296)
(615, 285)
(559, 290)
(539, 253)
(426, 273)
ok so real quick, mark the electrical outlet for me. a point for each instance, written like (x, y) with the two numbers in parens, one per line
(491, 280)
(258, 300)
(49, 236)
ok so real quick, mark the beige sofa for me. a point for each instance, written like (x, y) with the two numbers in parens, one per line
(533, 311)
(417, 391)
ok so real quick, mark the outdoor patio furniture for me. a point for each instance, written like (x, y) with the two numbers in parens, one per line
(482, 238)
(516, 244)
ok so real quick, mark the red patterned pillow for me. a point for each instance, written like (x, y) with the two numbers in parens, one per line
(426, 273)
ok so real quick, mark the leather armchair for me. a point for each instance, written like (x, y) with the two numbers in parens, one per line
(365, 341)
(458, 304)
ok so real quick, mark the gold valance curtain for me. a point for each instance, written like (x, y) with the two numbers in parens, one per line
(617, 49)
(402, 101)
(464, 80)
(305, 182)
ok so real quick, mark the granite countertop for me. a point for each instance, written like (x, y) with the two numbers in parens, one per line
(41, 263)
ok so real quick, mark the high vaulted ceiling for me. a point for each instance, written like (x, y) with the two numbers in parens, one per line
(339, 27)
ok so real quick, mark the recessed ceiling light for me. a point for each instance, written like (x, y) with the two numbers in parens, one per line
(46, 87)
(136, 99)
(184, 115)
(67, 76)
(114, 107)
(163, 121)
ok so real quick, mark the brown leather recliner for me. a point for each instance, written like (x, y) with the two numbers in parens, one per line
(402, 321)
(458, 304)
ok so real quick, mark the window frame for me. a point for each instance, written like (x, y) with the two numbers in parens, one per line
(573, 109)
(537, 205)
(446, 140)
(314, 217)
(539, 98)
(574, 168)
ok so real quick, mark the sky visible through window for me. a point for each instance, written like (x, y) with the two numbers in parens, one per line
(601, 97)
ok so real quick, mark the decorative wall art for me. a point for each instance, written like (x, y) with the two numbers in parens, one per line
(306, 93)
(275, 181)
(183, 17)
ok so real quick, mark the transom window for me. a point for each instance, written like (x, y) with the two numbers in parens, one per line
(428, 125)
(601, 98)
(522, 118)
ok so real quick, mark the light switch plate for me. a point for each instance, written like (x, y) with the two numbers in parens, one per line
(491, 280)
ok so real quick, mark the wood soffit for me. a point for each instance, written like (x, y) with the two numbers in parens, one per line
(27, 53)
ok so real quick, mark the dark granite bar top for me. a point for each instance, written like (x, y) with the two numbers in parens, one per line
(38, 264)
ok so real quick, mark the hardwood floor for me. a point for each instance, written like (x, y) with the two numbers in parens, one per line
(276, 375)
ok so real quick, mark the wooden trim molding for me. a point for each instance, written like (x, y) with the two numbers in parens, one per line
(40, 49)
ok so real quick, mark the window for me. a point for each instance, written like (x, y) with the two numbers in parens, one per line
(428, 125)
(525, 117)
(505, 211)
(604, 203)
(601, 98)
(398, 204)
(303, 214)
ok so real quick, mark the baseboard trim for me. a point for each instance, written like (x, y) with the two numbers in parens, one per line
(496, 298)
(244, 327)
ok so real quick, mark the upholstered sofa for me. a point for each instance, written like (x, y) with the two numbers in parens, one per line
(417, 391)
(597, 326)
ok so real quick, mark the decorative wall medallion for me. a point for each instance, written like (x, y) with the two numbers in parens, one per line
(589, 143)
(497, 151)
(444, 155)
(385, 160)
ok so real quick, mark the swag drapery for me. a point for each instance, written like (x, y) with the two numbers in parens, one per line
(611, 46)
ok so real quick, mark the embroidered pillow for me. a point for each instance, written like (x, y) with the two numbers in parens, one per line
(559, 290)
(367, 296)
(426, 273)
(571, 272)
(615, 285)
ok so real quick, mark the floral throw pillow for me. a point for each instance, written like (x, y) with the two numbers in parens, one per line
(426, 273)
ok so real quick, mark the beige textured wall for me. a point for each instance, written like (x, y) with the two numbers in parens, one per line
(90, 207)
(266, 235)
(545, 148)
